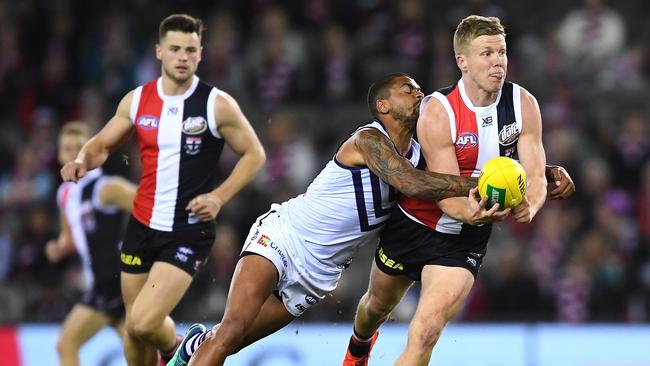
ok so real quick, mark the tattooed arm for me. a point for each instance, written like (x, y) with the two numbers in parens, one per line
(371, 148)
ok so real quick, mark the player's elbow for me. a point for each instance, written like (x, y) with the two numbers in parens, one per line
(258, 157)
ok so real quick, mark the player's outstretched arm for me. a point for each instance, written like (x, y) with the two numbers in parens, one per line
(532, 158)
(238, 133)
(95, 152)
(382, 159)
(119, 192)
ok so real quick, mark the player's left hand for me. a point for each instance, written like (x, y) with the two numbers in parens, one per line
(564, 186)
(522, 213)
(205, 206)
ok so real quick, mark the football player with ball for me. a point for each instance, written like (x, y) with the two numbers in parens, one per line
(442, 244)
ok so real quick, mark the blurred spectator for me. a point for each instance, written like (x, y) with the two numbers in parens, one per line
(290, 162)
(28, 183)
(337, 68)
(591, 36)
(277, 59)
(631, 149)
(222, 63)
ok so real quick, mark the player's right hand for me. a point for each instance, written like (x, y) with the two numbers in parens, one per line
(73, 171)
(478, 214)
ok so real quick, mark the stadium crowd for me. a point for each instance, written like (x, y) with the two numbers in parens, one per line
(301, 69)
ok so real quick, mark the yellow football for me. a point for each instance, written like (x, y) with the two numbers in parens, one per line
(503, 181)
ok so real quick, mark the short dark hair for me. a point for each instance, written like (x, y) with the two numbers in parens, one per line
(180, 23)
(379, 90)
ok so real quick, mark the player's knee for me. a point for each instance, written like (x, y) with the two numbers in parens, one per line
(377, 307)
(424, 334)
(231, 334)
(65, 346)
(140, 328)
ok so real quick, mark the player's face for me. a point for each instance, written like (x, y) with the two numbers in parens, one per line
(180, 54)
(69, 147)
(405, 98)
(486, 62)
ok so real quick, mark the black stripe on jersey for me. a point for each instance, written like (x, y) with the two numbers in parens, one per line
(103, 233)
(447, 89)
(200, 153)
(505, 117)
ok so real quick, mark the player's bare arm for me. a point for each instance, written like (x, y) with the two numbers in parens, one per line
(439, 152)
(63, 246)
(241, 138)
(564, 186)
(532, 158)
(118, 192)
(95, 152)
(379, 154)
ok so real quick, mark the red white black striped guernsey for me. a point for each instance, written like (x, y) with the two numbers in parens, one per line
(179, 149)
(479, 134)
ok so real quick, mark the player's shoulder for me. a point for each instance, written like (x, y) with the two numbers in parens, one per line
(527, 98)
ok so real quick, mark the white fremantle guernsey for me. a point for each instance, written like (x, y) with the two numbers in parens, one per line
(343, 209)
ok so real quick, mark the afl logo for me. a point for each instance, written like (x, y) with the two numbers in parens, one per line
(194, 125)
(148, 122)
(466, 140)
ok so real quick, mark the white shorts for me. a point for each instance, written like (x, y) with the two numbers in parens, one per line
(271, 237)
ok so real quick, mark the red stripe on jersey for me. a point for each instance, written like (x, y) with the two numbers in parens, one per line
(146, 125)
(466, 143)
(9, 346)
(63, 195)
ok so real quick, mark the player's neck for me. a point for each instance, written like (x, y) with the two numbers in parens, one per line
(172, 87)
(400, 136)
(478, 96)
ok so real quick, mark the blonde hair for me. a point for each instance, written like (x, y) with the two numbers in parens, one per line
(474, 26)
(75, 128)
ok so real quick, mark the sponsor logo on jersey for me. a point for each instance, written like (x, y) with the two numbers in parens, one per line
(264, 240)
(277, 249)
(172, 111)
(301, 308)
(390, 263)
(192, 145)
(183, 253)
(310, 299)
(487, 121)
(471, 261)
(130, 260)
(466, 140)
(194, 125)
(148, 122)
(509, 134)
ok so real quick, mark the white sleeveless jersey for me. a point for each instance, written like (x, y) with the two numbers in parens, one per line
(343, 208)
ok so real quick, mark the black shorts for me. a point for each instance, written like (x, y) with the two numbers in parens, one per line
(186, 249)
(106, 297)
(406, 246)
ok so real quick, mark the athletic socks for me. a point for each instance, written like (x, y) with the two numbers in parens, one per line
(358, 345)
(194, 342)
